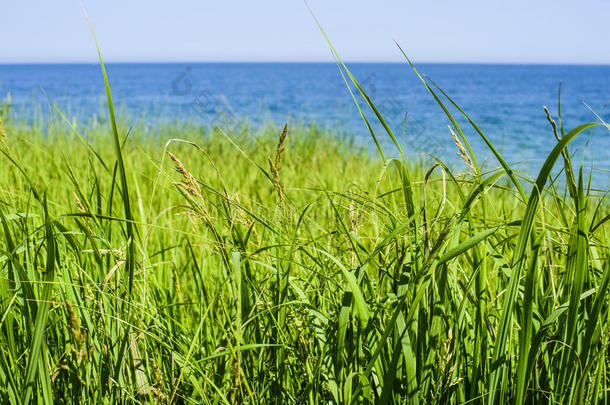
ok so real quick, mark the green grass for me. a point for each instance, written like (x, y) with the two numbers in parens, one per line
(184, 264)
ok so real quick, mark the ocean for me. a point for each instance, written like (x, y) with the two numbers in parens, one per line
(506, 101)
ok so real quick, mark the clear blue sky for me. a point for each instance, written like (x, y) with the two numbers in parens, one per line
(515, 31)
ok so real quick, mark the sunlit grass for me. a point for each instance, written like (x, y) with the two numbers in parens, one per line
(197, 265)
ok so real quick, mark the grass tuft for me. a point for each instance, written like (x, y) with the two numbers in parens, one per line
(332, 277)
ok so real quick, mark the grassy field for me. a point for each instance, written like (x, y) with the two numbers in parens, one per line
(182, 264)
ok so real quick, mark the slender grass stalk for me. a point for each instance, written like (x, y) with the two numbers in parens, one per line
(304, 270)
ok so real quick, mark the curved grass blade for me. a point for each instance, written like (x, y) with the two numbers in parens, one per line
(506, 322)
(130, 262)
(42, 313)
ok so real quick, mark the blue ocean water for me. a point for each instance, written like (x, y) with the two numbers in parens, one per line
(504, 100)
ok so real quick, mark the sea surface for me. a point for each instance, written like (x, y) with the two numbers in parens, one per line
(506, 101)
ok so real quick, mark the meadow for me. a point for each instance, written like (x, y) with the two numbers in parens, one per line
(177, 263)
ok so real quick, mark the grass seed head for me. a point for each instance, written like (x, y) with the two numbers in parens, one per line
(79, 336)
(190, 184)
(274, 166)
(551, 121)
(280, 147)
(3, 135)
(462, 150)
(78, 203)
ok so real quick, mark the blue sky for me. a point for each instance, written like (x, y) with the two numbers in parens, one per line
(494, 31)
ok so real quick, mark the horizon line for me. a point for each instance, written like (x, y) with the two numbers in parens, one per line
(427, 62)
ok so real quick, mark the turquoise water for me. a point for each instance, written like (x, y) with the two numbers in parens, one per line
(505, 100)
